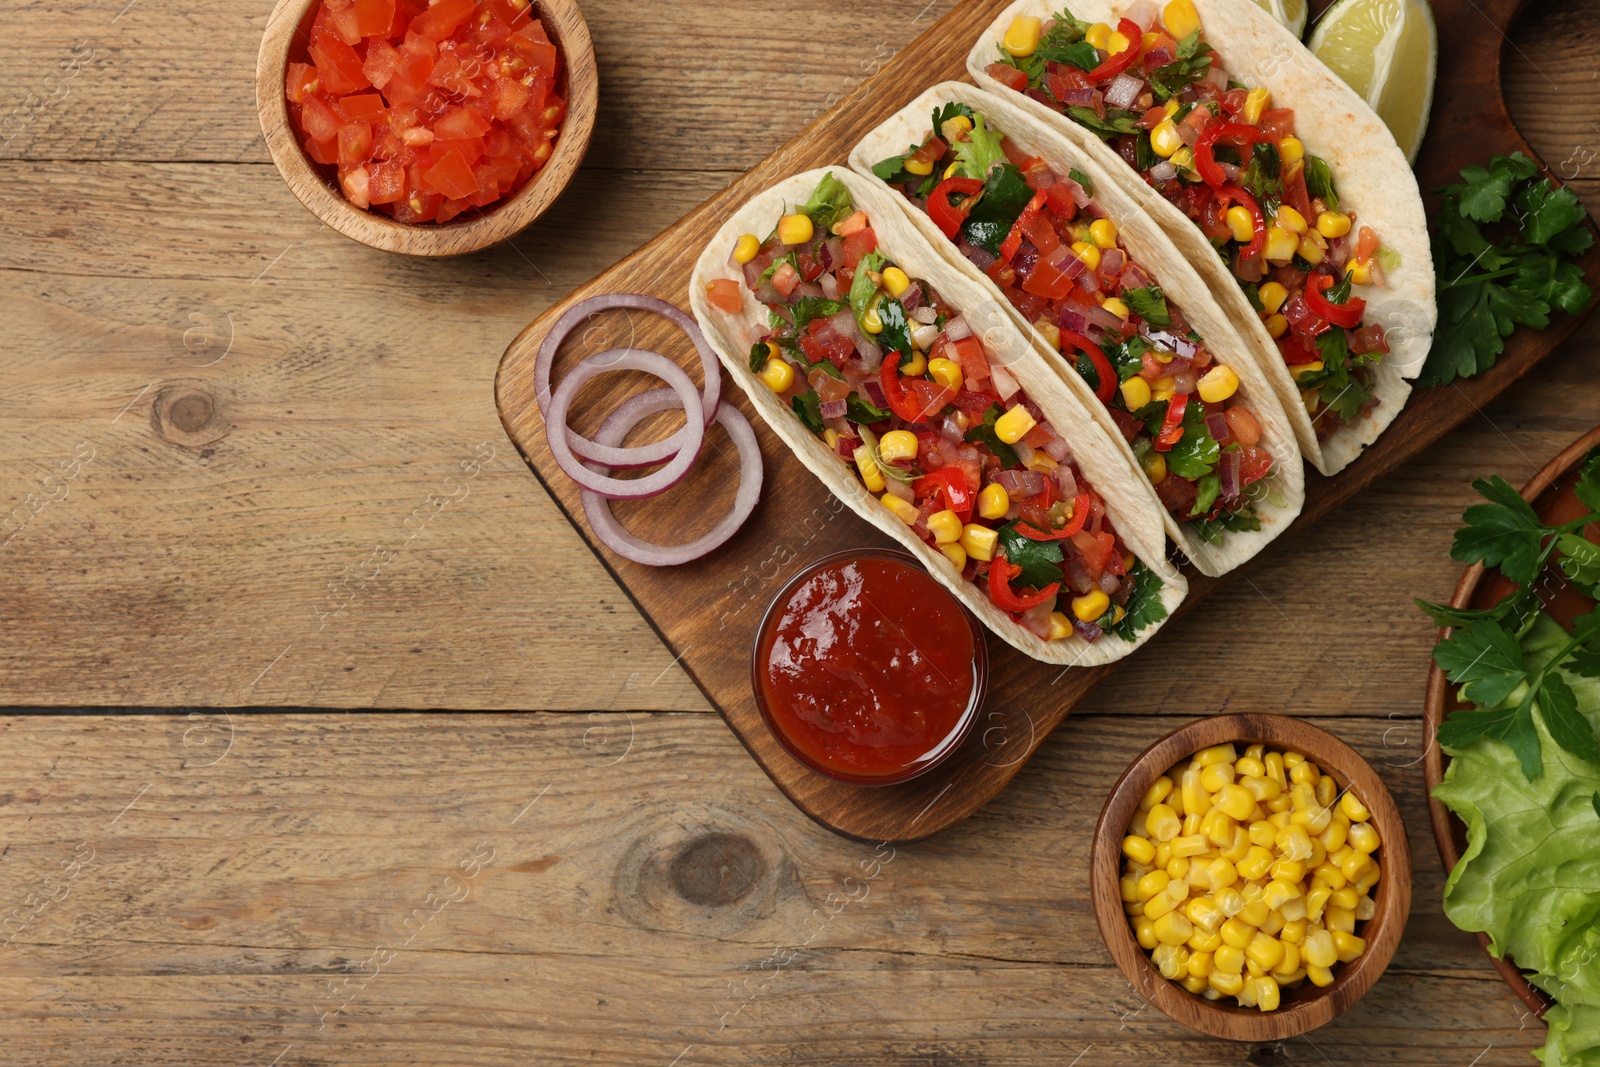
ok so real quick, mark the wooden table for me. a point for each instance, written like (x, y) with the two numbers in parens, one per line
(289, 489)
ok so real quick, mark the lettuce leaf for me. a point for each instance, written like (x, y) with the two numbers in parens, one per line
(1530, 877)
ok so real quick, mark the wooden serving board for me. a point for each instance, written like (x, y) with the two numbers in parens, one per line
(708, 611)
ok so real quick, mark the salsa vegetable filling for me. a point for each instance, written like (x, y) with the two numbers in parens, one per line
(1040, 236)
(891, 377)
(1216, 149)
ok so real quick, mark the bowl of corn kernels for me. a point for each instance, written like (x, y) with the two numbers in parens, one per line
(1250, 876)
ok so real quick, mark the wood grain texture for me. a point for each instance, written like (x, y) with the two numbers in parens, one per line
(650, 898)
(137, 192)
(1304, 1008)
(707, 610)
(287, 36)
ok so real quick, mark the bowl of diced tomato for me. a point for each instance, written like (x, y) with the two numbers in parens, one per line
(427, 128)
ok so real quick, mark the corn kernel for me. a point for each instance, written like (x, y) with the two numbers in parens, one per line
(1255, 102)
(1310, 251)
(945, 526)
(1292, 936)
(1272, 296)
(1291, 220)
(1221, 873)
(979, 541)
(1255, 864)
(954, 126)
(1091, 606)
(1228, 959)
(1315, 818)
(1255, 912)
(1190, 845)
(1014, 425)
(958, 556)
(1194, 797)
(1237, 933)
(1117, 308)
(947, 372)
(1191, 983)
(1153, 884)
(1319, 976)
(1162, 823)
(1173, 928)
(1242, 223)
(1281, 244)
(1268, 995)
(795, 229)
(1104, 232)
(1135, 395)
(1364, 837)
(993, 503)
(1216, 776)
(1216, 754)
(1099, 35)
(1353, 809)
(1171, 960)
(1327, 790)
(1204, 941)
(1088, 253)
(1302, 370)
(1279, 892)
(871, 476)
(1335, 836)
(915, 367)
(1022, 36)
(1360, 272)
(1164, 854)
(1144, 930)
(778, 375)
(895, 281)
(1347, 946)
(1180, 18)
(897, 444)
(1262, 788)
(1291, 151)
(746, 248)
(1204, 913)
(1178, 867)
(1183, 159)
(1366, 908)
(1368, 879)
(1354, 865)
(1200, 964)
(1332, 224)
(1165, 138)
(921, 168)
(1218, 384)
(1128, 889)
(1265, 950)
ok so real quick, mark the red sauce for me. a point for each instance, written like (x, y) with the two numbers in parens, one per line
(868, 670)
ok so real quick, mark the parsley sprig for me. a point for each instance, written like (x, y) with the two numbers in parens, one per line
(1483, 654)
(1496, 272)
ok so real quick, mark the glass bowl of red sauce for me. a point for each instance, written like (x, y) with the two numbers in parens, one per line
(867, 670)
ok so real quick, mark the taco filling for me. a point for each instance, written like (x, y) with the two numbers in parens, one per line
(1040, 236)
(1216, 149)
(891, 377)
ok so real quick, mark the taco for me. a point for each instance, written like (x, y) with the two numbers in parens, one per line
(1121, 317)
(913, 396)
(1272, 177)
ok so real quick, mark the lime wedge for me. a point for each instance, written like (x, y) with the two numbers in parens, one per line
(1387, 51)
(1292, 13)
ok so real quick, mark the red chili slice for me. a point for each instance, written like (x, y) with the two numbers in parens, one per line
(1080, 514)
(945, 215)
(1106, 377)
(1013, 241)
(1123, 59)
(1205, 162)
(1000, 573)
(950, 484)
(1172, 426)
(1347, 314)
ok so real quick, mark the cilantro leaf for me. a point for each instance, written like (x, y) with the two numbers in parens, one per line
(893, 169)
(808, 406)
(1128, 356)
(1193, 62)
(1196, 453)
(1005, 194)
(984, 434)
(1521, 609)
(1263, 175)
(1596, 799)
(1150, 304)
(1487, 189)
(758, 356)
(1082, 179)
(1207, 489)
(896, 335)
(1211, 530)
(1082, 55)
(808, 308)
(1040, 560)
(1319, 181)
(1580, 560)
(863, 412)
(1485, 658)
(1558, 707)
(1144, 608)
(1503, 533)
(1511, 725)
(830, 203)
(1116, 122)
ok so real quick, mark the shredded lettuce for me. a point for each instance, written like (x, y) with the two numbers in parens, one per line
(981, 152)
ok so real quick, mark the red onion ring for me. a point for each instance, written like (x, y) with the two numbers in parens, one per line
(625, 359)
(638, 455)
(598, 509)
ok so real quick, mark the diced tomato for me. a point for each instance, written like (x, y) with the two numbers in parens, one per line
(373, 17)
(1049, 281)
(441, 19)
(1254, 464)
(535, 48)
(1095, 548)
(1295, 194)
(1233, 100)
(460, 124)
(361, 106)
(338, 66)
(858, 244)
(930, 398)
(300, 82)
(355, 138)
(1059, 202)
(1064, 81)
(822, 342)
(345, 25)
(383, 60)
(510, 97)
(1009, 76)
(1366, 243)
(969, 353)
(1276, 123)
(975, 403)
(449, 209)
(320, 121)
(324, 152)
(726, 294)
(452, 175)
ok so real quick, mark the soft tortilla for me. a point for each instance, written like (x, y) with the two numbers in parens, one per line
(1371, 173)
(1136, 516)
(1152, 251)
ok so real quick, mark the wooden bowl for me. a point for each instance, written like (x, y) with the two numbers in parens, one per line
(1308, 1006)
(1550, 493)
(291, 22)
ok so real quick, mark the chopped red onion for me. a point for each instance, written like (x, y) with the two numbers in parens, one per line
(1036, 620)
(1218, 77)
(641, 455)
(1066, 481)
(1179, 365)
(832, 253)
(1105, 320)
(873, 392)
(895, 487)
(1143, 12)
(1058, 449)
(1134, 277)
(1124, 91)
(1004, 383)
(1111, 262)
(1021, 482)
(834, 409)
(957, 329)
(1228, 473)
(1184, 382)
(871, 353)
(598, 510)
(924, 336)
(925, 315)
(811, 289)
(1164, 171)
(830, 286)
(911, 299)
(1086, 630)
(951, 431)
(1083, 97)
(1217, 426)
(1109, 583)
(1024, 453)
(1080, 195)
(980, 258)
(1072, 318)
(847, 446)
